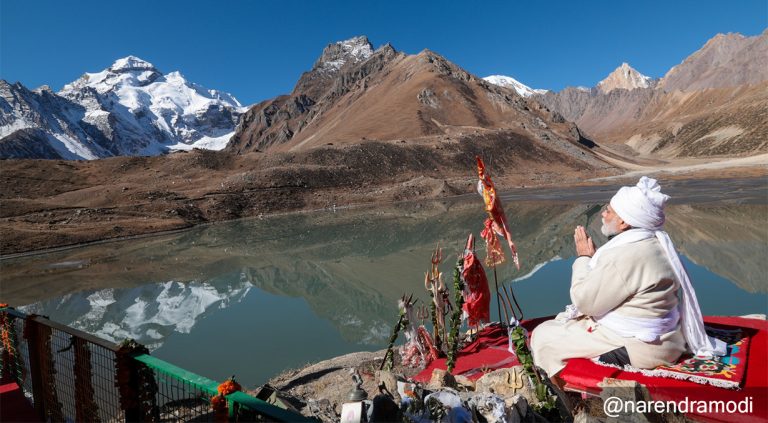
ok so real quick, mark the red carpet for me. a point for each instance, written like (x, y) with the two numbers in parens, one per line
(487, 352)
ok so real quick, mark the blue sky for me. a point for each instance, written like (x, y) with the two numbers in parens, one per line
(258, 49)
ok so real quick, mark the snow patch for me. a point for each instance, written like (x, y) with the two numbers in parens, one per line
(69, 148)
(130, 63)
(14, 126)
(509, 82)
(207, 143)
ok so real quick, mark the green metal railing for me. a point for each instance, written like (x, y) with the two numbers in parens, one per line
(68, 374)
(241, 405)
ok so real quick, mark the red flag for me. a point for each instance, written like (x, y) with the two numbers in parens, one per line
(498, 221)
(477, 297)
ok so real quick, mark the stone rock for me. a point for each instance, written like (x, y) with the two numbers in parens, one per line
(493, 408)
(440, 379)
(428, 98)
(631, 391)
(451, 403)
(626, 389)
(507, 383)
(517, 408)
(585, 417)
(389, 380)
(449, 398)
(322, 409)
(464, 383)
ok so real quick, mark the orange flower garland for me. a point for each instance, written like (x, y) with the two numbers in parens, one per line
(229, 386)
(5, 333)
(10, 358)
(219, 402)
(4, 327)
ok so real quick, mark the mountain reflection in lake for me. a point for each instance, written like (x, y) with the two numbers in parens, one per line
(255, 297)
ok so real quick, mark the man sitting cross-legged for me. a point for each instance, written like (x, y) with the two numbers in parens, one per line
(625, 295)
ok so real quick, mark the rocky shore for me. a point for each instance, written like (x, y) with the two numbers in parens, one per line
(320, 389)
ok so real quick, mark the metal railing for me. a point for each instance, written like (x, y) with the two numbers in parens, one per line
(70, 375)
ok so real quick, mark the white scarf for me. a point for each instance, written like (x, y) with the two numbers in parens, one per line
(692, 322)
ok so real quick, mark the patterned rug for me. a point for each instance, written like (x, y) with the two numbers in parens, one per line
(725, 372)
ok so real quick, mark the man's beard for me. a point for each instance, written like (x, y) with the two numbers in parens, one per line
(610, 229)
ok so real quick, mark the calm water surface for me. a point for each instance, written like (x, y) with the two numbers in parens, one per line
(255, 297)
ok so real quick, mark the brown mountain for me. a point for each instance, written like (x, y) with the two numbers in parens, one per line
(387, 95)
(726, 60)
(624, 77)
(712, 104)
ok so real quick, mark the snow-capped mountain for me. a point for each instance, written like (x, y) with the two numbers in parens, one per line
(147, 314)
(130, 108)
(624, 77)
(41, 124)
(509, 82)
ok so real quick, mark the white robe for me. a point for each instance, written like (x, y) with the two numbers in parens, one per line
(634, 280)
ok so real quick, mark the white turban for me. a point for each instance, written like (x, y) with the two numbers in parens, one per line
(641, 206)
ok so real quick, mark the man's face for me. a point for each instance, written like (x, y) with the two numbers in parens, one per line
(611, 222)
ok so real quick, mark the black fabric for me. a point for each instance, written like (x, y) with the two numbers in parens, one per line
(618, 357)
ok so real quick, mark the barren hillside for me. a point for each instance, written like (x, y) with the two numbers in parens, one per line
(714, 104)
(390, 96)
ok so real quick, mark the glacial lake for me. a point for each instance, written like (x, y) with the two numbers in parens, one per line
(255, 297)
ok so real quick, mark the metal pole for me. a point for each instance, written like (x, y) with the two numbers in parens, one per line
(498, 297)
(35, 360)
(506, 314)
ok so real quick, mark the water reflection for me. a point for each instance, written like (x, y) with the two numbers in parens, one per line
(339, 275)
(731, 241)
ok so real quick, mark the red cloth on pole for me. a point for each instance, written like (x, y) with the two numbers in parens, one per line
(477, 302)
(497, 216)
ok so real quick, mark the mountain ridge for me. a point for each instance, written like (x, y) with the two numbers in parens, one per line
(393, 97)
(707, 106)
(725, 60)
(510, 82)
(353, 93)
